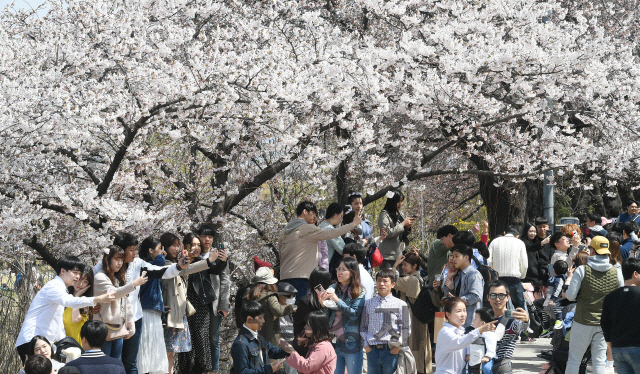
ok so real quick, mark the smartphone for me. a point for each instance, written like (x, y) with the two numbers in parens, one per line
(143, 269)
(575, 233)
(184, 261)
(508, 314)
(414, 216)
(319, 289)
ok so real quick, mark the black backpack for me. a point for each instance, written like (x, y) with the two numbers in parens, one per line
(488, 275)
(423, 309)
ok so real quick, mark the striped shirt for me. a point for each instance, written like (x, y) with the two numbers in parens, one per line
(506, 345)
(384, 320)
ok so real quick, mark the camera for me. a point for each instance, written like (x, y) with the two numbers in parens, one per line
(143, 269)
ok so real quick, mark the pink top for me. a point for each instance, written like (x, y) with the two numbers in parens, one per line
(321, 359)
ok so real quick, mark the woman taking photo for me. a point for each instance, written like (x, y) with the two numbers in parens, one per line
(118, 315)
(410, 286)
(335, 246)
(200, 294)
(319, 278)
(174, 294)
(363, 230)
(450, 357)
(152, 358)
(348, 296)
(74, 318)
(397, 228)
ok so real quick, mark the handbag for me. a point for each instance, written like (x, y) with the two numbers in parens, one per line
(438, 322)
(117, 331)
(190, 309)
(376, 258)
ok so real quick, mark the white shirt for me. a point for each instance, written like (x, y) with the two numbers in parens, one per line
(133, 272)
(45, 312)
(367, 282)
(477, 349)
(449, 349)
(508, 256)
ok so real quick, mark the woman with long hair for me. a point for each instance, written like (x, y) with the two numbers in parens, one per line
(615, 258)
(177, 338)
(74, 318)
(152, 357)
(200, 294)
(410, 286)
(348, 294)
(263, 289)
(319, 279)
(40, 345)
(397, 227)
(320, 358)
(118, 315)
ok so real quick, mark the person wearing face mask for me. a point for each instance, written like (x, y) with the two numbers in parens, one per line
(263, 289)
(286, 296)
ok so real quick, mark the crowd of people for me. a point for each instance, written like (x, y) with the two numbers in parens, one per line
(342, 300)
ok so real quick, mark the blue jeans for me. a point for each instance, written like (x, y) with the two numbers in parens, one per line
(130, 350)
(214, 339)
(113, 348)
(627, 359)
(516, 291)
(300, 284)
(381, 361)
(352, 361)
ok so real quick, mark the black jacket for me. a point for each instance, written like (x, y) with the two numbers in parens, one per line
(539, 257)
(300, 316)
(201, 281)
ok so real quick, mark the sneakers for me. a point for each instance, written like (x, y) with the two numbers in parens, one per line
(546, 333)
(558, 325)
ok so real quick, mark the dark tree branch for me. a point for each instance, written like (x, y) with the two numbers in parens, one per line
(261, 233)
(42, 250)
(76, 160)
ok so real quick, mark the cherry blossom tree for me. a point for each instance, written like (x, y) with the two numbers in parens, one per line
(157, 115)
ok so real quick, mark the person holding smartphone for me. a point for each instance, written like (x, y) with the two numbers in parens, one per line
(201, 295)
(397, 227)
(511, 324)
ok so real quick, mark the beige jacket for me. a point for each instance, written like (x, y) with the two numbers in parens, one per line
(299, 247)
(392, 246)
(174, 294)
(111, 313)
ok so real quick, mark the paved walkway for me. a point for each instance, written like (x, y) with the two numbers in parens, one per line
(524, 358)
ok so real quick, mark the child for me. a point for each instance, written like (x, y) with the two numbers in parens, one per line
(381, 358)
(248, 341)
(482, 351)
(452, 339)
(556, 282)
(287, 296)
(321, 358)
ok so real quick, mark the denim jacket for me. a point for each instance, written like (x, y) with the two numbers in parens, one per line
(351, 312)
(248, 352)
(151, 292)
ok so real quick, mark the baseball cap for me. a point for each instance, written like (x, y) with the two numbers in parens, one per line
(600, 244)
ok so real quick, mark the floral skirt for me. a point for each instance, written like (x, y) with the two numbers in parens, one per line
(178, 340)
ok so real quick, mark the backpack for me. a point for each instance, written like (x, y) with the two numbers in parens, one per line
(423, 309)
(488, 275)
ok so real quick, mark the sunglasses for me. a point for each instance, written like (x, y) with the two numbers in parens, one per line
(500, 296)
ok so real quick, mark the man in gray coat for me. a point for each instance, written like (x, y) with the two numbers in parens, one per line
(221, 286)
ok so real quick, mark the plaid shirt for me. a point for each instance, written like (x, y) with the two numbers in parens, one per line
(384, 320)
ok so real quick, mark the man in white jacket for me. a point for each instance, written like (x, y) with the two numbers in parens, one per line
(508, 256)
